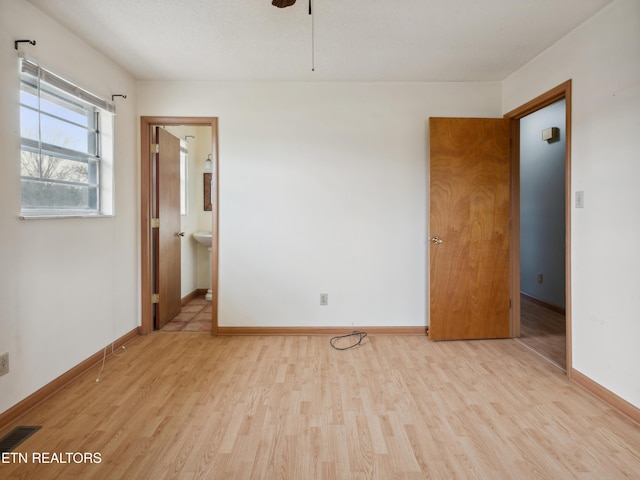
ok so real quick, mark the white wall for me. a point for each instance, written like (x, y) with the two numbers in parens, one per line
(205, 218)
(323, 189)
(68, 287)
(602, 57)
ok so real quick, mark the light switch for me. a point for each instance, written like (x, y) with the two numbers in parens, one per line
(580, 199)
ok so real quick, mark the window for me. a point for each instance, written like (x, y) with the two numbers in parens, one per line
(66, 147)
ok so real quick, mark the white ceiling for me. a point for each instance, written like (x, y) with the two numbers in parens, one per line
(354, 40)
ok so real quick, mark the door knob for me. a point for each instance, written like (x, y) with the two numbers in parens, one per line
(436, 240)
(179, 234)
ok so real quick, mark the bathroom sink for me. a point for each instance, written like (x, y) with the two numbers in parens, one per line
(203, 238)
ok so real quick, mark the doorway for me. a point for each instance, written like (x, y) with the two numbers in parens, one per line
(559, 93)
(147, 202)
(542, 231)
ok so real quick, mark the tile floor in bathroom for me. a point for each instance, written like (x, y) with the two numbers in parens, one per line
(194, 316)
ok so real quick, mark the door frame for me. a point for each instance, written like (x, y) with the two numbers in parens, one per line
(562, 91)
(146, 201)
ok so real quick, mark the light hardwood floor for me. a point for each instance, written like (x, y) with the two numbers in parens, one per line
(194, 406)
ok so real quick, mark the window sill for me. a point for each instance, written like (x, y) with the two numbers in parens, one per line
(59, 215)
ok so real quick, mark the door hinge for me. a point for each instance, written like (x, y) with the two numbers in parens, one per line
(155, 298)
(155, 148)
(155, 223)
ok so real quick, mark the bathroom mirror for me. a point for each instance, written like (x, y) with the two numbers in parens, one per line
(207, 192)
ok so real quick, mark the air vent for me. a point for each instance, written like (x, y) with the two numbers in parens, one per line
(16, 437)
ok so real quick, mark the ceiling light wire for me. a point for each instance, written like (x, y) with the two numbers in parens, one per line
(313, 43)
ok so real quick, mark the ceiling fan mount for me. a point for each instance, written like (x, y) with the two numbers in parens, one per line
(282, 3)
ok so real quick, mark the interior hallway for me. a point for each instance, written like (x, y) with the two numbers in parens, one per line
(543, 330)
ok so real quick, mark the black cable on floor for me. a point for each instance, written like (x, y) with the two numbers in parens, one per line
(360, 336)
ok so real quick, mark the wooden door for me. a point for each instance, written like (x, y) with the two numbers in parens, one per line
(168, 282)
(469, 228)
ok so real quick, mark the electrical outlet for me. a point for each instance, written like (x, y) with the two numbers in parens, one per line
(4, 364)
(324, 299)
(540, 278)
